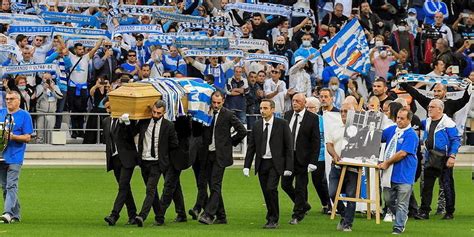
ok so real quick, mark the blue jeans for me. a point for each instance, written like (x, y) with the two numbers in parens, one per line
(9, 174)
(349, 188)
(398, 200)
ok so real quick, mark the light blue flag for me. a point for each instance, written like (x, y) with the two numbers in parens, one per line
(348, 51)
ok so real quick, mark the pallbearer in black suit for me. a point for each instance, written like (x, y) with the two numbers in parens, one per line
(122, 157)
(219, 140)
(271, 144)
(157, 138)
(304, 127)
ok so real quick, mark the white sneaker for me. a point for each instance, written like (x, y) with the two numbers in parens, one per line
(388, 218)
(6, 218)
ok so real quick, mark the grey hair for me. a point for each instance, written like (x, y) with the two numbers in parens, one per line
(160, 104)
(439, 102)
(16, 93)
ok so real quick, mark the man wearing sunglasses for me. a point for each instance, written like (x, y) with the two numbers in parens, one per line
(143, 52)
(105, 61)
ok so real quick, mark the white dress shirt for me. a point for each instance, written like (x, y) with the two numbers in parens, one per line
(292, 121)
(212, 146)
(268, 152)
(146, 153)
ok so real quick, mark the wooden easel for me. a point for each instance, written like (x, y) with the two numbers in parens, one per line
(357, 196)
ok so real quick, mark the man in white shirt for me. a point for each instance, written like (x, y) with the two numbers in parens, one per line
(41, 48)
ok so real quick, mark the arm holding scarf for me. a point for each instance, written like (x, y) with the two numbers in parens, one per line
(400, 155)
(96, 47)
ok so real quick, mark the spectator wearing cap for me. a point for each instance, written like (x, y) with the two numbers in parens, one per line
(275, 89)
(401, 38)
(143, 52)
(369, 20)
(431, 7)
(412, 21)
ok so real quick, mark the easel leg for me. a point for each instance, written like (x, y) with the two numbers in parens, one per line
(359, 180)
(369, 204)
(338, 192)
(377, 196)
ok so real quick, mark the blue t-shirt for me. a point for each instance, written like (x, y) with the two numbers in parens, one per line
(404, 170)
(22, 124)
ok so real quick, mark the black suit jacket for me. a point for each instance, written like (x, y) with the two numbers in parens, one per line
(223, 139)
(281, 146)
(308, 140)
(167, 143)
(127, 151)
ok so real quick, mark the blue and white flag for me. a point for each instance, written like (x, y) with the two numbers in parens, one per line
(80, 32)
(31, 30)
(348, 51)
(160, 40)
(20, 19)
(199, 99)
(73, 18)
(129, 29)
(177, 17)
(138, 10)
(202, 42)
(213, 53)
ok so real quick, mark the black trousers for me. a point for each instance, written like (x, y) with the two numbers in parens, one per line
(172, 192)
(200, 174)
(124, 195)
(320, 183)
(215, 174)
(299, 192)
(77, 104)
(269, 179)
(446, 181)
(151, 175)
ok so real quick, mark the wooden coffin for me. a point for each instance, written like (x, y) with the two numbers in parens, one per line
(135, 99)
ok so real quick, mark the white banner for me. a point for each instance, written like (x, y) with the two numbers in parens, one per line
(249, 44)
(214, 53)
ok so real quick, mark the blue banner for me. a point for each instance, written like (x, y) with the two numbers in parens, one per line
(30, 30)
(202, 42)
(81, 32)
(83, 20)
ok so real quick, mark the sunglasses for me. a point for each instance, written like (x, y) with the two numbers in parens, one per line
(107, 46)
(132, 55)
(139, 39)
(275, 72)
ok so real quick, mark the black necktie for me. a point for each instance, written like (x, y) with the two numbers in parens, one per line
(213, 124)
(293, 130)
(112, 132)
(264, 139)
(153, 138)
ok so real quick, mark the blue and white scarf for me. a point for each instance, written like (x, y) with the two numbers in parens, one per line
(215, 53)
(445, 80)
(202, 42)
(28, 68)
(7, 48)
(78, 3)
(81, 32)
(125, 29)
(219, 19)
(188, 25)
(271, 9)
(140, 10)
(268, 58)
(20, 19)
(177, 17)
(31, 30)
(249, 44)
(73, 18)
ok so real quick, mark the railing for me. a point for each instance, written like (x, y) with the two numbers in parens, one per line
(45, 133)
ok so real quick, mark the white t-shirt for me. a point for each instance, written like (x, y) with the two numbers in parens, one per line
(80, 73)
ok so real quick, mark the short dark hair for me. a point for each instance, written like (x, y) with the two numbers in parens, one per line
(146, 65)
(19, 38)
(381, 79)
(272, 103)
(131, 51)
(78, 45)
(159, 104)
(409, 113)
(326, 89)
(394, 108)
(217, 93)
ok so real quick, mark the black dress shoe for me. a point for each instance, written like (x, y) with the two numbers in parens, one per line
(131, 221)
(180, 219)
(139, 221)
(159, 223)
(220, 221)
(448, 216)
(294, 221)
(205, 219)
(193, 213)
(271, 225)
(325, 210)
(307, 208)
(110, 220)
(422, 216)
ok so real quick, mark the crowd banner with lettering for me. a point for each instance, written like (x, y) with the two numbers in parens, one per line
(138, 10)
(249, 44)
(196, 26)
(73, 18)
(445, 80)
(84, 33)
(79, 3)
(213, 53)
(127, 29)
(268, 58)
(177, 17)
(202, 42)
(31, 30)
(20, 19)
(18, 69)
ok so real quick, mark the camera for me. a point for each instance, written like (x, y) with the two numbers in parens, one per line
(48, 81)
(430, 32)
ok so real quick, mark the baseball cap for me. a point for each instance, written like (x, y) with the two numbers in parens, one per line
(412, 11)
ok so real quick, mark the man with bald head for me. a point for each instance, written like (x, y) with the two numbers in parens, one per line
(442, 143)
(304, 127)
(450, 106)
